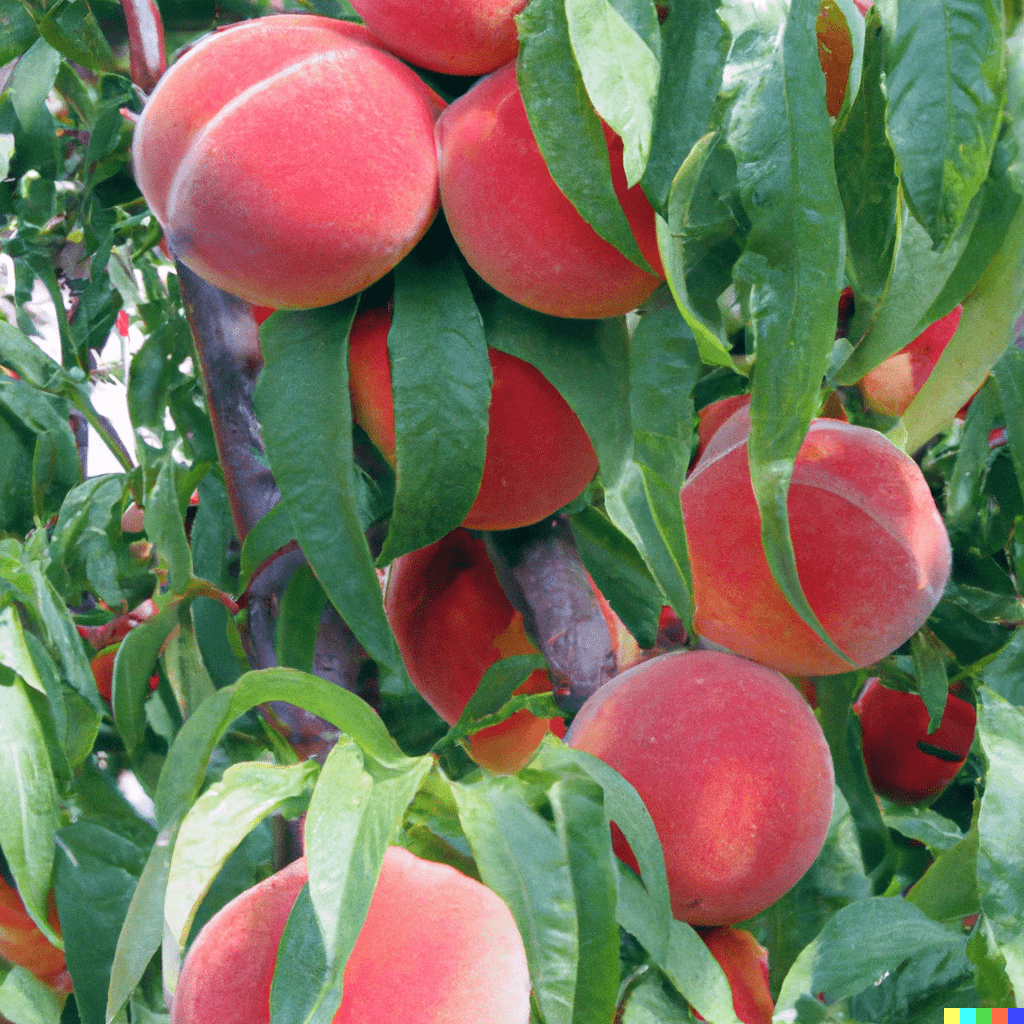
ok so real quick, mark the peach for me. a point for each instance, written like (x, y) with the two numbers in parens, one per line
(23, 944)
(872, 553)
(516, 228)
(452, 621)
(455, 37)
(290, 159)
(733, 767)
(905, 762)
(835, 53)
(891, 386)
(745, 963)
(538, 455)
(437, 946)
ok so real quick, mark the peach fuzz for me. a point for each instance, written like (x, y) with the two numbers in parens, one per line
(891, 386)
(455, 37)
(733, 767)
(871, 549)
(290, 159)
(538, 455)
(24, 945)
(513, 224)
(452, 621)
(437, 947)
(745, 963)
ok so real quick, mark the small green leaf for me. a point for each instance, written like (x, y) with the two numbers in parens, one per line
(621, 75)
(1000, 854)
(554, 94)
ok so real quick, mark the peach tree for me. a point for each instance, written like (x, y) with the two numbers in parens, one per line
(657, 207)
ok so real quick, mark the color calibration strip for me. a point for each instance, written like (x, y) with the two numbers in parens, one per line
(983, 1017)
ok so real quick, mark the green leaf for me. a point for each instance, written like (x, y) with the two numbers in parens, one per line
(352, 818)
(866, 173)
(271, 533)
(620, 573)
(930, 673)
(1009, 377)
(554, 94)
(306, 367)
(948, 890)
(14, 651)
(983, 335)
(620, 71)
(874, 938)
(23, 110)
(524, 861)
(24, 999)
(694, 48)
(1005, 673)
(918, 276)
(945, 86)
(28, 794)
(791, 268)
(75, 32)
(19, 30)
(182, 777)
(165, 526)
(581, 824)
(298, 620)
(218, 821)
(96, 872)
(700, 239)
(441, 386)
(1000, 854)
(842, 730)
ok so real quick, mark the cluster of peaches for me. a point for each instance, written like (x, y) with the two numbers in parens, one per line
(287, 209)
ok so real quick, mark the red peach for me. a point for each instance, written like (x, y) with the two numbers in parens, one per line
(437, 947)
(891, 386)
(452, 621)
(514, 225)
(538, 455)
(23, 944)
(835, 53)
(872, 553)
(455, 37)
(905, 762)
(732, 766)
(290, 160)
(745, 963)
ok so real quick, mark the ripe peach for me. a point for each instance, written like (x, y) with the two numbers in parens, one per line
(871, 549)
(455, 37)
(891, 386)
(437, 946)
(538, 455)
(290, 159)
(733, 767)
(452, 621)
(23, 944)
(835, 53)
(745, 963)
(905, 762)
(513, 224)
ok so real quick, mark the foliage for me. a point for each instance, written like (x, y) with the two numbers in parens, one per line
(767, 208)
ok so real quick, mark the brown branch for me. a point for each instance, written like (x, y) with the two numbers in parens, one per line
(543, 576)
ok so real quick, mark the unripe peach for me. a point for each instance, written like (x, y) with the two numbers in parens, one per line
(452, 621)
(455, 37)
(290, 159)
(514, 225)
(732, 766)
(538, 455)
(871, 549)
(891, 386)
(437, 947)
(905, 762)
